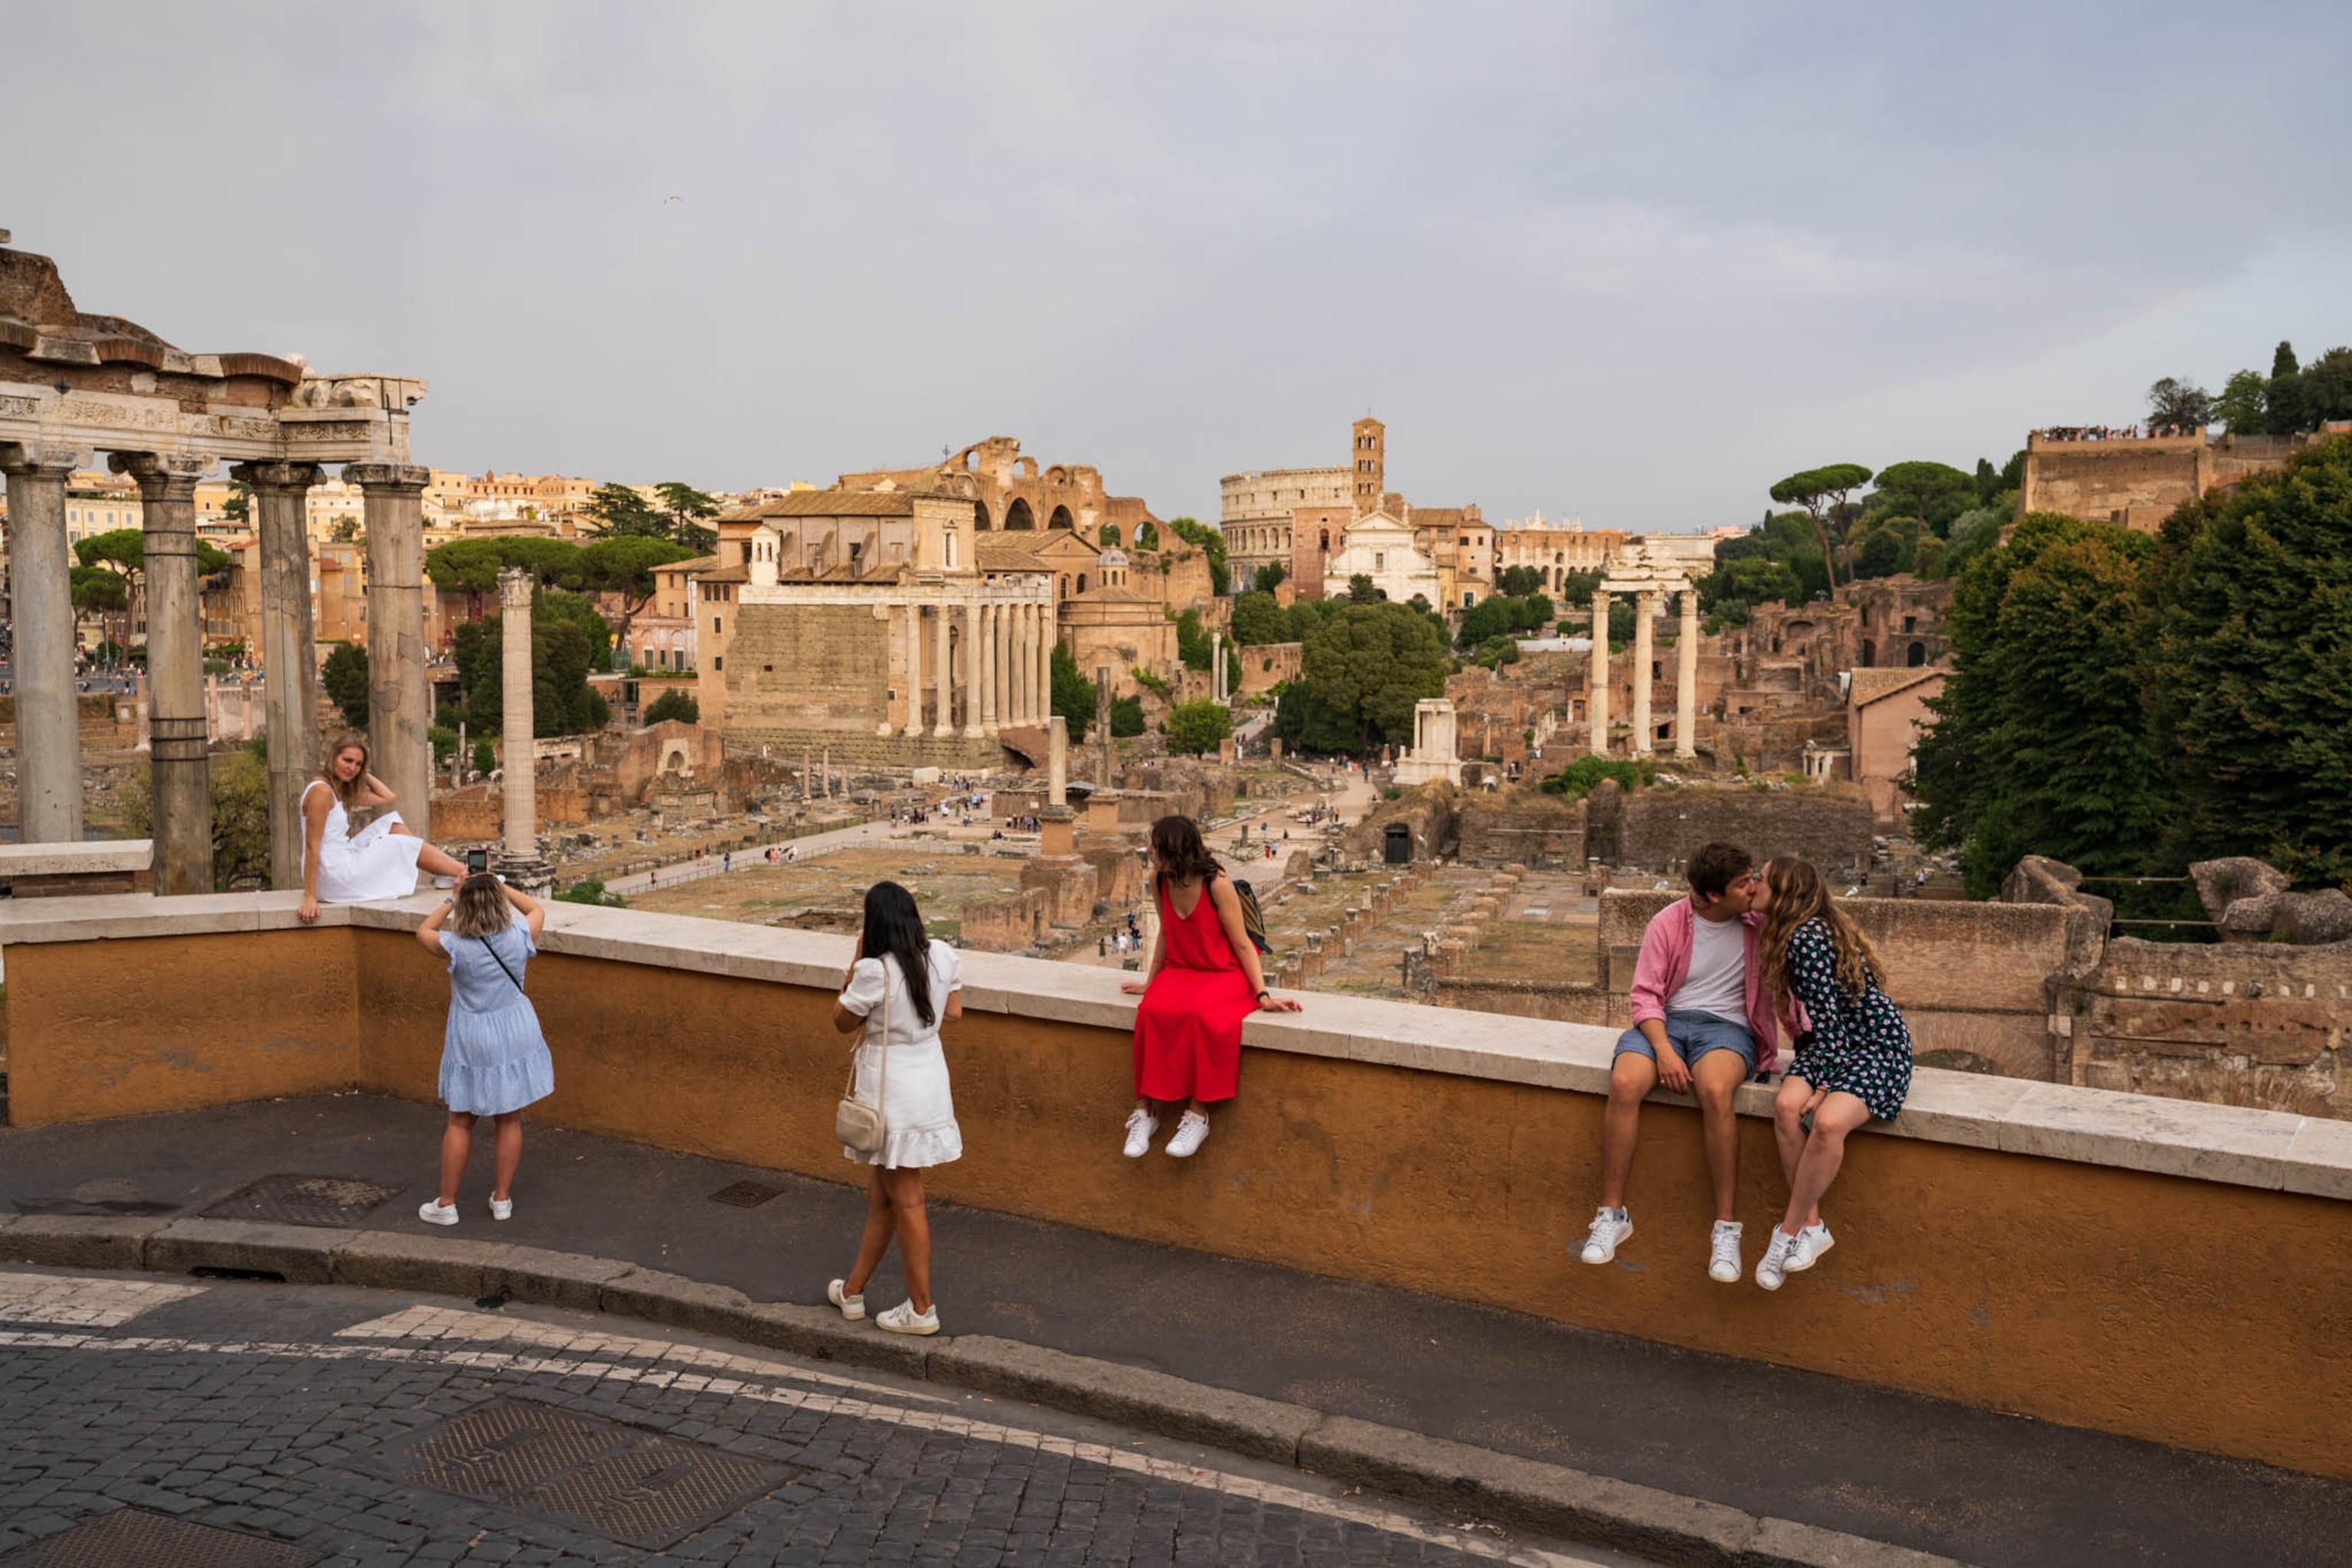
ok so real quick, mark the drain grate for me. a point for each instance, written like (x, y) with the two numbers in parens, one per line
(134, 1538)
(745, 1195)
(638, 1488)
(303, 1200)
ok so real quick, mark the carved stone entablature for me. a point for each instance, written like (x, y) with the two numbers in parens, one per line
(110, 421)
(397, 391)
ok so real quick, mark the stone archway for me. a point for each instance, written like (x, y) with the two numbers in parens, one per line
(1061, 519)
(1108, 536)
(980, 517)
(1917, 655)
(1019, 518)
(676, 758)
(1869, 654)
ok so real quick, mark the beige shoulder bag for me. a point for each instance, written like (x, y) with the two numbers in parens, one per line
(857, 1124)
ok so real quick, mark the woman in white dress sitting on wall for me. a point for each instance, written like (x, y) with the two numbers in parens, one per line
(379, 861)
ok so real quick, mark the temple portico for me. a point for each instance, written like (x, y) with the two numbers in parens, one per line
(72, 385)
(1650, 583)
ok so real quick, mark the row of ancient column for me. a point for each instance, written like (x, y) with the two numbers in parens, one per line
(1646, 603)
(1007, 679)
(48, 745)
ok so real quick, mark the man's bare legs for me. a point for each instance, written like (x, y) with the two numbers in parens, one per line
(1714, 1076)
(1631, 1078)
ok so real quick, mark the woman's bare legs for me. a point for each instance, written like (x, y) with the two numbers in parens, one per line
(456, 1143)
(1840, 1114)
(440, 862)
(510, 1153)
(905, 1189)
(1788, 1131)
(879, 1228)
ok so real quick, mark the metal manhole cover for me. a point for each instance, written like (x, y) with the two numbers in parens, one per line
(745, 1195)
(626, 1484)
(303, 1200)
(134, 1538)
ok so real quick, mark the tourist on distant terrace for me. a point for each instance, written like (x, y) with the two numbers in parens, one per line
(494, 1058)
(1702, 1026)
(1855, 1065)
(900, 988)
(1203, 982)
(379, 861)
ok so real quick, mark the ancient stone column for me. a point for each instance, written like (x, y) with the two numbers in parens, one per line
(1217, 666)
(400, 697)
(1645, 610)
(1596, 699)
(178, 734)
(892, 633)
(943, 658)
(516, 751)
(1102, 727)
(808, 779)
(1044, 659)
(48, 719)
(1686, 678)
(914, 725)
(288, 653)
(1057, 761)
(1020, 665)
(967, 677)
(986, 685)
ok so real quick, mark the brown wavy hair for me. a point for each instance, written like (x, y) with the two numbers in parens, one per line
(481, 906)
(1176, 841)
(1799, 895)
(349, 739)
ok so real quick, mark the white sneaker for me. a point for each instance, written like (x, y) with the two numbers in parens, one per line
(903, 1319)
(1141, 1125)
(502, 1208)
(435, 1212)
(1610, 1227)
(1722, 1253)
(852, 1307)
(1812, 1242)
(1191, 1132)
(1774, 1265)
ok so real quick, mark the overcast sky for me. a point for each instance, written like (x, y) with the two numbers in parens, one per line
(1630, 263)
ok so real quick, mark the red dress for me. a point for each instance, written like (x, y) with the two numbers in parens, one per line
(1188, 1028)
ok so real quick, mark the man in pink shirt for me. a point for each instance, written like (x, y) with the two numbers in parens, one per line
(1702, 1026)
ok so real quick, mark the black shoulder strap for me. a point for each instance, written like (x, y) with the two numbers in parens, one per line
(502, 962)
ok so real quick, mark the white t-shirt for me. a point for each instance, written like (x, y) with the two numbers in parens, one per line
(1716, 982)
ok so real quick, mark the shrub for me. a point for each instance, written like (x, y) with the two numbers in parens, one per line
(1576, 780)
(674, 704)
(591, 890)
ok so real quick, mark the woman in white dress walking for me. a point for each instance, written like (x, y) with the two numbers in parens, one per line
(494, 1058)
(901, 987)
(379, 861)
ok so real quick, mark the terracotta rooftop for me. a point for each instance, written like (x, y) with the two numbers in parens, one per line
(1870, 685)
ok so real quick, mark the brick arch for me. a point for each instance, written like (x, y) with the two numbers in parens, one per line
(980, 516)
(1061, 519)
(1018, 518)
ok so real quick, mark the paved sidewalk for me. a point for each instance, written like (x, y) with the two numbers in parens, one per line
(1937, 1476)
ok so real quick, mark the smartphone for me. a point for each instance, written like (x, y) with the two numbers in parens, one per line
(476, 860)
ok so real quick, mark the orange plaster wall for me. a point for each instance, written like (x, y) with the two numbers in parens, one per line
(2186, 1312)
(128, 1026)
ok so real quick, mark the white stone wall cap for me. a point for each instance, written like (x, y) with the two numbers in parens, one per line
(2189, 1139)
(91, 857)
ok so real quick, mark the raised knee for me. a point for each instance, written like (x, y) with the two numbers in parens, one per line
(1713, 1096)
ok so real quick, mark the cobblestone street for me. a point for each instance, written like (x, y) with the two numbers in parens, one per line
(324, 1424)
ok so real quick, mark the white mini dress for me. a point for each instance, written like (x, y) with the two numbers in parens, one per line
(919, 1124)
(373, 863)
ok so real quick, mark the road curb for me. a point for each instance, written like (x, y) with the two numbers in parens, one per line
(1504, 1487)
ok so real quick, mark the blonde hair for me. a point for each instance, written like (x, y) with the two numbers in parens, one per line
(481, 906)
(348, 741)
(1798, 895)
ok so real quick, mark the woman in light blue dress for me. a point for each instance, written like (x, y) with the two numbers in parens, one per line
(494, 1059)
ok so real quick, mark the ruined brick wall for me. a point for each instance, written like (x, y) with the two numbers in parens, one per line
(1268, 665)
(1658, 827)
(1525, 826)
(799, 668)
(2262, 1024)
(2095, 480)
(1008, 925)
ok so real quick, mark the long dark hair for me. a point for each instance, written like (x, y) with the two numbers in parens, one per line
(1176, 841)
(894, 927)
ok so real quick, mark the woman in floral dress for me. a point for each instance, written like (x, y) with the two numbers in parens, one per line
(1856, 1063)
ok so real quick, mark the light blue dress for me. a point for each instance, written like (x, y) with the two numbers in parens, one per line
(493, 1057)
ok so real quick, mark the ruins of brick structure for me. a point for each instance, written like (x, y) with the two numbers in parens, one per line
(681, 772)
(72, 384)
(2140, 480)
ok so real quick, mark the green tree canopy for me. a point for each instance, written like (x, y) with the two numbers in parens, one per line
(619, 509)
(568, 640)
(2180, 404)
(1730, 591)
(1822, 494)
(1518, 582)
(2243, 407)
(1199, 726)
(1269, 576)
(1073, 692)
(1257, 619)
(344, 679)
(472, 565)
(673, 704)
(687, 506)
(1362, 590)
(1212, 543)
(1126, 717)
(1934, 492)
(1369, 664)
(1191, 641)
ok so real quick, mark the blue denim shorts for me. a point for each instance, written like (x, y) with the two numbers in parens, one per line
(1695, 1034)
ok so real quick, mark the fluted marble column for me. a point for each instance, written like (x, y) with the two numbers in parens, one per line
(1597, 674)
(178, 733)
(519, 756)
(943, 658)
(1645, 610)
(972, 727)
(1019, 674)
(989, 669)
(40, 565)
(400, 697)
(914, 725)
(1686, 678)
(891, 633)
(288, 653)
(1045, 676)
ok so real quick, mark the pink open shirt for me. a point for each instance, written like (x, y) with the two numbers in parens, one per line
(1666, 959)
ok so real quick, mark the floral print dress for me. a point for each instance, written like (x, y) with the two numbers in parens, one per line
(1860, 1044)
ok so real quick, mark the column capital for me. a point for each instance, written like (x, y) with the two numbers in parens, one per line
(41, 457)
(161, 476)
(515, 586)
(387, 477)
(277, 476)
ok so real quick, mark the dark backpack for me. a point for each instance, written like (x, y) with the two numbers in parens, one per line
(1253, 917)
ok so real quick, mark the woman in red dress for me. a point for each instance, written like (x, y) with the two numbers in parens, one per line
(1204, 981)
